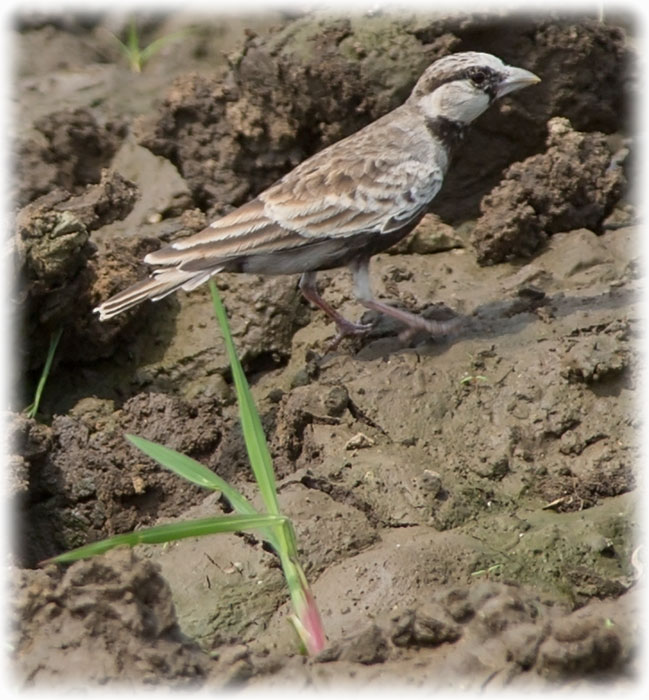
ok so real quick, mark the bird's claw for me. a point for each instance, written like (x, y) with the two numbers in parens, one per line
(435, 329)
(347, 329)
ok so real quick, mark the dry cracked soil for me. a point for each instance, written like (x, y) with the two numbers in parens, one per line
(466, 507)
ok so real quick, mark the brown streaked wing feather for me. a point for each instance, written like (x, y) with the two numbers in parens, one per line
(360, 184)
(247, 218)
(245, 230)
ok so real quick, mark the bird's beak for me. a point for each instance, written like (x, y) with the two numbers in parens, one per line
(516, 79)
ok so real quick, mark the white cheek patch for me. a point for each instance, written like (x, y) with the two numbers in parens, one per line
(458, 101)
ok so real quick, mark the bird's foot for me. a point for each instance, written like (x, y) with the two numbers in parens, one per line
(415, 323)
(348, 329)
(435, 329)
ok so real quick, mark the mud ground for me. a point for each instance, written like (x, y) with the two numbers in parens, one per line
(466, 508)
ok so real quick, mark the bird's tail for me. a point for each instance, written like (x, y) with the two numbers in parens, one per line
(158, 285)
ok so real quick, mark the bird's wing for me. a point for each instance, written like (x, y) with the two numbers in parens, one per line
(352, 191)
(245, 230)
(365, 183)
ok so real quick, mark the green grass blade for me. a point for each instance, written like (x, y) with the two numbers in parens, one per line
(200, 475)
(173, 531)
(133, 44)
(132, 39)
(158, 44)
(193, 471)
(253, 433)
(32, 410)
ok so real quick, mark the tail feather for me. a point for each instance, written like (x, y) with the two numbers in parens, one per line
(160, 284)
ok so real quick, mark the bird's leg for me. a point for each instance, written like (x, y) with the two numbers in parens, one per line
(363, 293)
(345, 328)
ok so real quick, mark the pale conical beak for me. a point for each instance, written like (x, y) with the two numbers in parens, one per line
(516, 79)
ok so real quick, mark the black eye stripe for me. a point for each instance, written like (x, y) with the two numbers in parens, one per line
(482, 77)
(488, 84)
(485, 76)
(481, 74)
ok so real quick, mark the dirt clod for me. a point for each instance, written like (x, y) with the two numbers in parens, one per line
(69, 151)
(425, 626)
(107, 620)
(369, 647)
(574, 183)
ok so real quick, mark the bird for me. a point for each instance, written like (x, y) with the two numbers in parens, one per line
(344, 204)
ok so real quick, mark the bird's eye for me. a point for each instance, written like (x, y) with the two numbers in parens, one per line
(478, 77)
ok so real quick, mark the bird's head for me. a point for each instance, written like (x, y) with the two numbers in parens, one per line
(461, 86)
